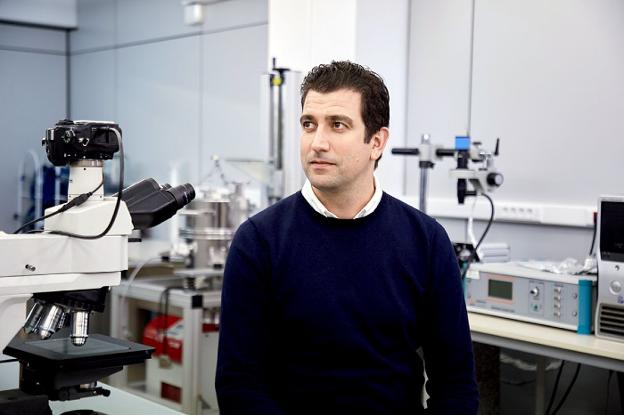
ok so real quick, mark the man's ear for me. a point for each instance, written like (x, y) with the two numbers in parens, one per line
(378, 141)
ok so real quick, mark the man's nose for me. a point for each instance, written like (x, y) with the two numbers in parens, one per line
(320, 141)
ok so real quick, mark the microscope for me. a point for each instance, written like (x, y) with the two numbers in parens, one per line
(483, 179)
(68, 268)
(479, 179)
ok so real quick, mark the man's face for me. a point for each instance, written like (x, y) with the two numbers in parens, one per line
(333, 153)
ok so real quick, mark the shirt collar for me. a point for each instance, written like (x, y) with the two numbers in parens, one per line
(318, 206)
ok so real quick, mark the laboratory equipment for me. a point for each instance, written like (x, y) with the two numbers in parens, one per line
(280, 172)
(210, 223)
(68, 268)
(518, 291)
(610, 310)
(483, 179)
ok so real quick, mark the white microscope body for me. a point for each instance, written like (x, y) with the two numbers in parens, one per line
(68, 268)
(46, 262)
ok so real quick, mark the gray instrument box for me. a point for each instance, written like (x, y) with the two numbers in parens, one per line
(515, 291)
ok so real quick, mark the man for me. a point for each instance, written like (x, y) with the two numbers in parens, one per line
(329, 294)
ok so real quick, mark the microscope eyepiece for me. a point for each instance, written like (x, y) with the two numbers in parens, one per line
(150, 204)
(183, 194)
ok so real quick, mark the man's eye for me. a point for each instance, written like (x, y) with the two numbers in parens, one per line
(339, 125)
(307, 125)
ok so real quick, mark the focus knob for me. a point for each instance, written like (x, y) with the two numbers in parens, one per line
(495, 179)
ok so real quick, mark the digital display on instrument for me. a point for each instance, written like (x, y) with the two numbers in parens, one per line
(500, 289)
(612, 231)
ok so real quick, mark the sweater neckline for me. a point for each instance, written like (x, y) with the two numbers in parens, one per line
(343, 222)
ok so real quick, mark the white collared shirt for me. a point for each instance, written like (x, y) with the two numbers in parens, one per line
(317, 205)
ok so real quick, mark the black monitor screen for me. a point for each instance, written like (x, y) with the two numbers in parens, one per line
(612, 231)
(500, 289)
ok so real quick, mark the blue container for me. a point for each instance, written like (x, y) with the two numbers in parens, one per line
(584, 307)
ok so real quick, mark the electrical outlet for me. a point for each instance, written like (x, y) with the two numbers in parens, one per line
(519, 212)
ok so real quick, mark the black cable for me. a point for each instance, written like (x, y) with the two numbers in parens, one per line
(485, 232)
(591, 250)
(77, 201)
(119, 195)
(567, 392)
(551, 401)
(8, 361)
(32, 222)
(608, 390)
(517, 383)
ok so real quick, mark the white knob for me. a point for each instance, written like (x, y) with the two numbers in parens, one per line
(534, 292)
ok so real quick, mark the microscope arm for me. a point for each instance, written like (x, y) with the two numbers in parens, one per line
(40, 263)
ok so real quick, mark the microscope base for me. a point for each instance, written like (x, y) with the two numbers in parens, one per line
(16, 402)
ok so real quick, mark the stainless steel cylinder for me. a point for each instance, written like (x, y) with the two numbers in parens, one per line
(210, 213)
(49, 320)
(61, 322)
(209, 227)
(79, 327)
(240, 208)
(34, 316)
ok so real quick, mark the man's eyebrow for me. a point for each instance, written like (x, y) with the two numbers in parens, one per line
(343, 118)
(306, 117)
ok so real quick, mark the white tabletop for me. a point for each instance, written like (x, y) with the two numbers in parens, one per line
(552, 341)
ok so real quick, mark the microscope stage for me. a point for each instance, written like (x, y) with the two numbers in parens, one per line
(99, 351)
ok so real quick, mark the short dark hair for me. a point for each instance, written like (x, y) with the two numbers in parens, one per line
(337, 75)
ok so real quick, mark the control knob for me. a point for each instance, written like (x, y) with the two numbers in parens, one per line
(494, 179)
(534, 292)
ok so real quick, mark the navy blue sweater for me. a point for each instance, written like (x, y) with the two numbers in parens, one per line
(326, 316)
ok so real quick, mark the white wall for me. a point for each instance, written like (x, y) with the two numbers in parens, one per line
(439, 62)
(382, 44)
(304, 33)
(547, 79)
(32, 98)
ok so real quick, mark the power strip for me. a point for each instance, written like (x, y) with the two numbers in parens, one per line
(510, 211)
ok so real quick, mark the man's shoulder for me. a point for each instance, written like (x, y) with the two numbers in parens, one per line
(278, 212)
(267, 225)
(399, 208)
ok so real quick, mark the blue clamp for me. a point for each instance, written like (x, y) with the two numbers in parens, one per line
(462, 142)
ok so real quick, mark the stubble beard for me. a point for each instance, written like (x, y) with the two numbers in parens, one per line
(329, 183)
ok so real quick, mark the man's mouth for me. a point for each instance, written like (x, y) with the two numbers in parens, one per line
(321, 163)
